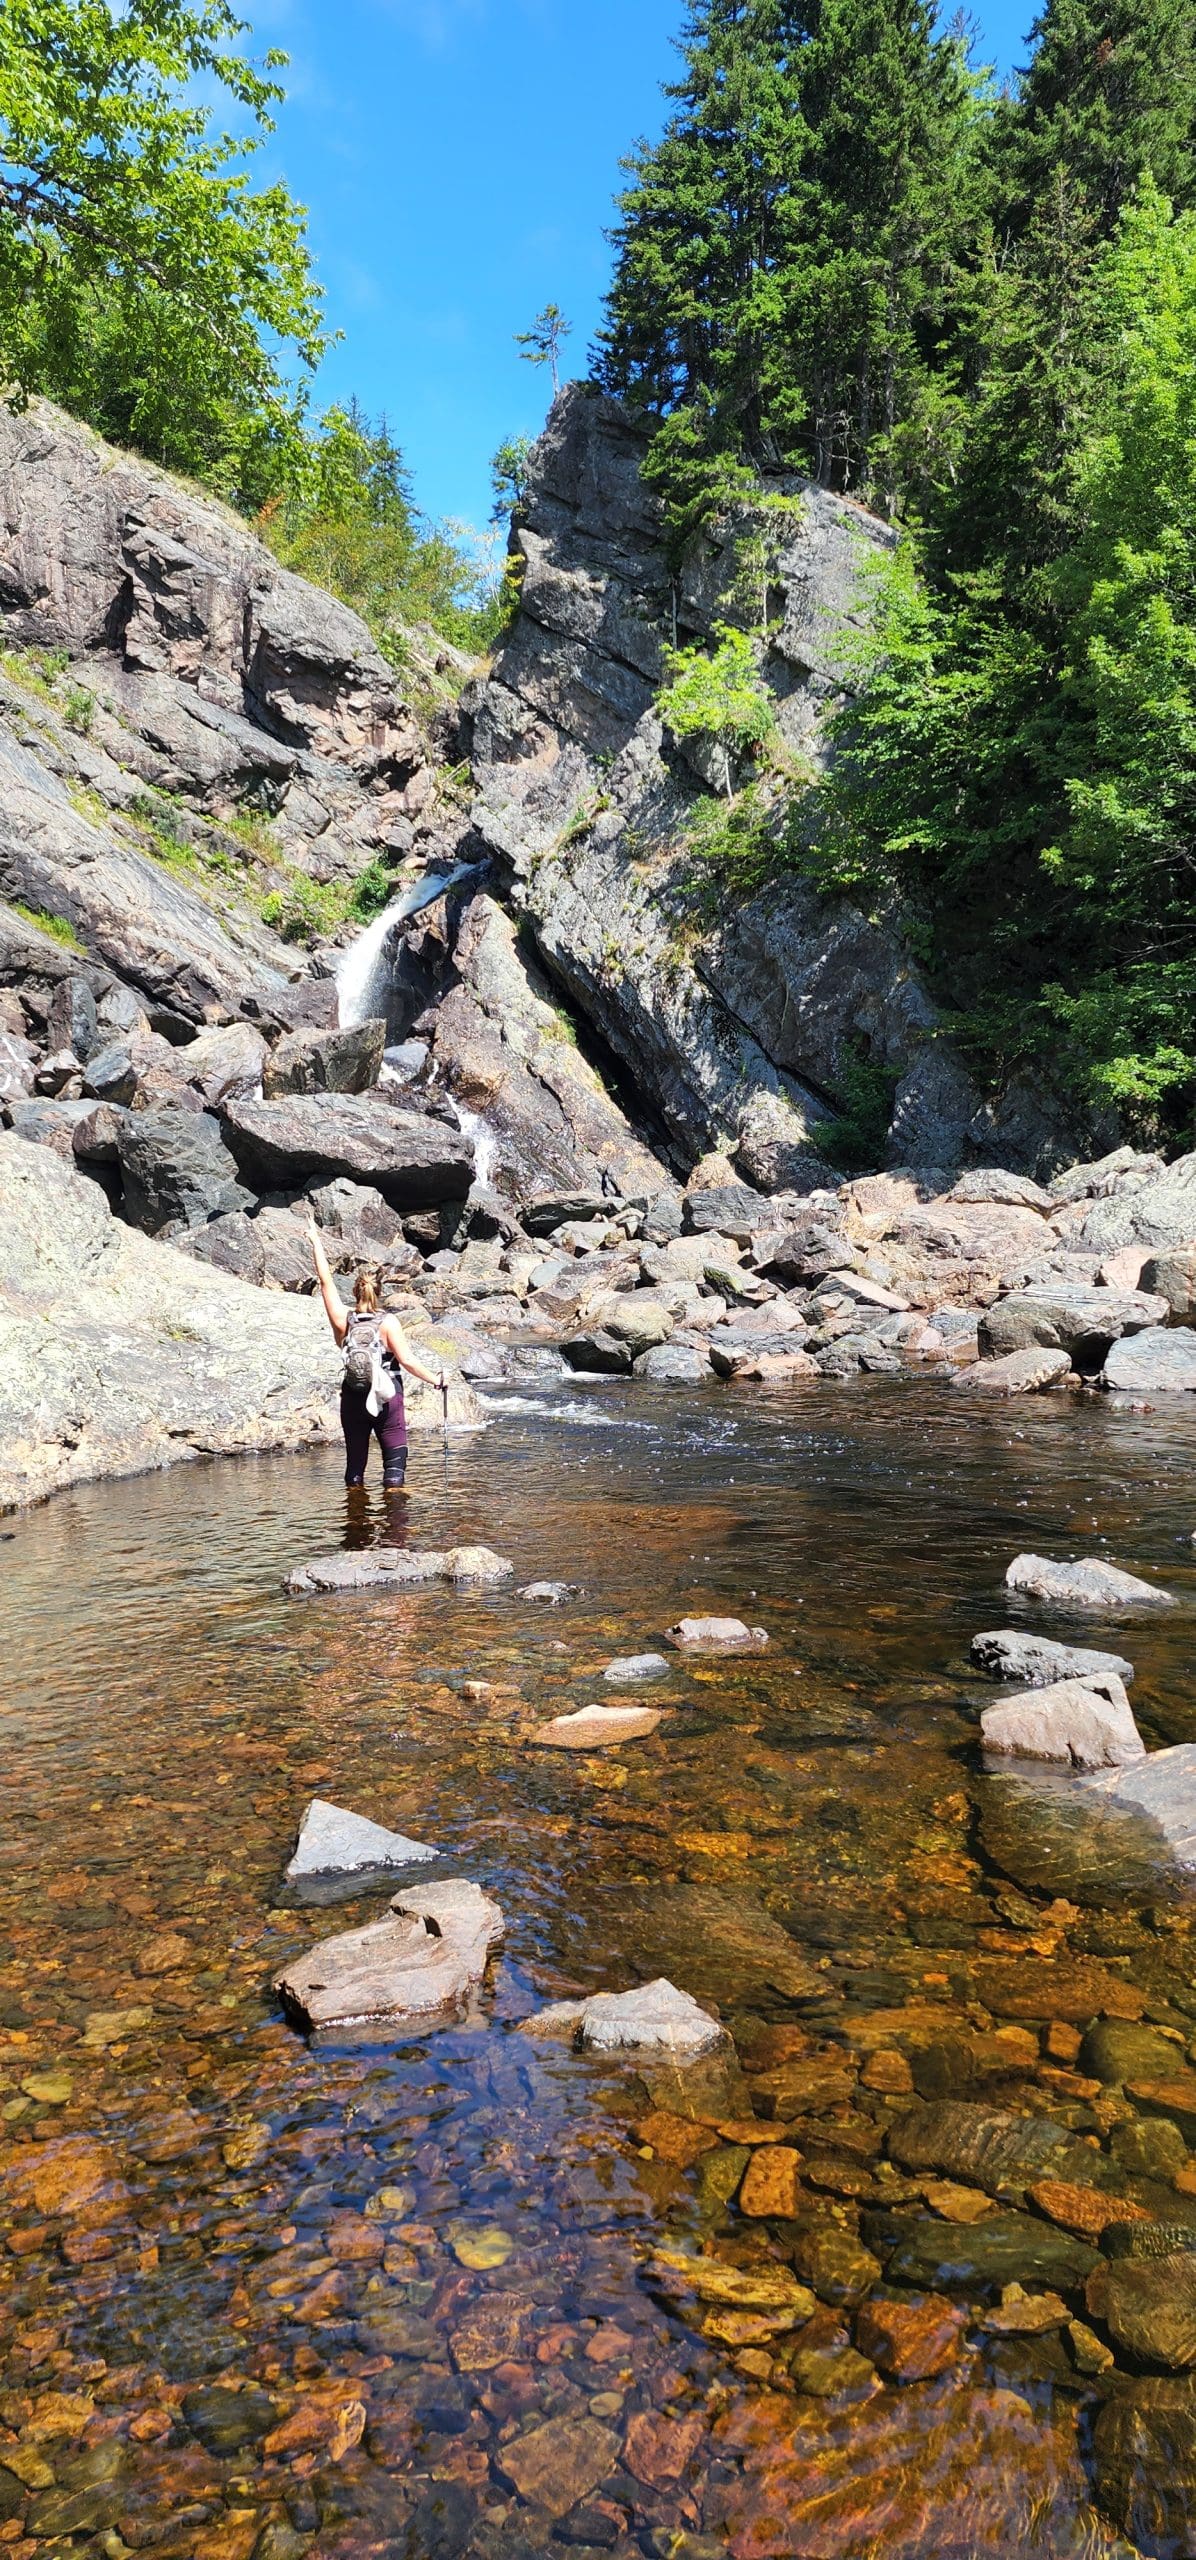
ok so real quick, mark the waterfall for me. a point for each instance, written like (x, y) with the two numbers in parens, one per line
(483, 1142)
(360, 969)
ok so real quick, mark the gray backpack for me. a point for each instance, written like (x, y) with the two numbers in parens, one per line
(360, 1345)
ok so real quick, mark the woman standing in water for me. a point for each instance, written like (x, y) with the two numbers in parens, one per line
(376, 1353)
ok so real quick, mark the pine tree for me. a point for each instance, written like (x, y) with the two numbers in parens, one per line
(1109, 97)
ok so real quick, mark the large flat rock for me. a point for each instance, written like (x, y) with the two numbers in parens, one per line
(119, 1355)
(1163, 1787)
(1088, 1584)
(1162, 1362)
(392, 1569)
(1007, 1653)
(1090, 1724)
(415, 1162)
(1081, 1321)
(419, 1967)
(597, 1728)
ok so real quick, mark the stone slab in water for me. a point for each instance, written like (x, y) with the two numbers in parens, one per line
(716, 1635)
(637, 1666)
(985, 2147)
(1146, 2464)
(1052, 1835)
(1091, 1726)
(1163, 1787)
(1148, 2306)
(1010, 2248)
(1162, 1362)
(596, 1728)
(1019, 1373)
(392, 1569)
(721, 1946)
(1008, 1654)
(655, 2019)
(1088, 1584)
(418, 1968)
(335, 1843)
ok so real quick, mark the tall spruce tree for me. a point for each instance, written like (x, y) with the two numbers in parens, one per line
(1109, 97)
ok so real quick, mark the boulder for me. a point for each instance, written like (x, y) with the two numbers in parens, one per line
(222, 1062)
(1089, 1584)
(1163, 1787)
(72, 1022)
(1007, 1654)
(332, 1842)
(111, 1074)
(989, 1183)
(348, 1061)
(419, 1967)
(1088, 1724)
(716, 1635)
(176, 1171)
(1156, 1363)
(392, 1569)
(550, 1595)
(368, 1228)
(729, 1209)
(1173, 1276)
(286, 1252)
(673, 1364)
(656, 2018)
(598, 1355)
(411, 1160)
(596, 1728)
(1157, 1211)
(1082, 1322)
(1019, 1373)
(118, 1354)
(637, 1666)
(18, 1061)
(231, 1243)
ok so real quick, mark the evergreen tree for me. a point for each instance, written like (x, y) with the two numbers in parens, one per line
(1109, 97)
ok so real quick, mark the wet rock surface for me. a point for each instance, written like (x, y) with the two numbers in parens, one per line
(1090, 1584)
(419, 1967)
(1089, 1723)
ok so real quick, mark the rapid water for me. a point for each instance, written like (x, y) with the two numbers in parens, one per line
(362, 973)
(262, 2299)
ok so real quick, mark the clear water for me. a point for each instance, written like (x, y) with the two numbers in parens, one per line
(406, 2258)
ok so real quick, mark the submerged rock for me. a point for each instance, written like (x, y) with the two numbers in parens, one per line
(716, 1635)
(655, 2019)
(391, 1569)
(596, 1728)
(1007, 1654)
(1010, 2248)
(1145, 2446)
(1162, 1787)
(551, 1595)
(1089, 1584)
(1148, 2306)
(1019, 1373)
(984, 2147)
(416, 1968)
(334, 1843)
(637, 1666)
(1091, 1725)
(1056, 1837)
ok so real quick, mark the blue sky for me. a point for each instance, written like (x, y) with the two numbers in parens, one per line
(458, 160)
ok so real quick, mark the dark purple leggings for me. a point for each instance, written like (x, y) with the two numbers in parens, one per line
(360, 1427)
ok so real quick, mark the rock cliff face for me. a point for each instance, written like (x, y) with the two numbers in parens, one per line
(738, 1025)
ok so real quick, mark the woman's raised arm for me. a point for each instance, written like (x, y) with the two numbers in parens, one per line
(334, 1305)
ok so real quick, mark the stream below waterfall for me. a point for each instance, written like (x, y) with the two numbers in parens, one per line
(422, 2297)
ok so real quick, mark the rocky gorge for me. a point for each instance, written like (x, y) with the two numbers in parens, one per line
(567, 1106)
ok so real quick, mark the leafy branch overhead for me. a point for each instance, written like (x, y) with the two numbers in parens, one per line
(719, 695)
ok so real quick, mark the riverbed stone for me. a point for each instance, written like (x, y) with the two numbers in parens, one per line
(392, 1569)
(1162, 1787)
(911, 2341)
(1174, 2097)
(631, 1667)
(1008, 1653)
(1162, 1362)
(1148, 2306)
(984, 2147)
(1088, 1724)
(596, 1728)
(1019, 1373)
(656, 2018)
(1055, 1834)
(1088, 1584)
(716, 1635)
(1145, 2445)
(771, 2186)
(555, 2465)
(673, 1364)
(1010, 2248)
(333, 1842)
(1115, 2050)
(420, 1965)
(1085, 2210)
(834, 2262)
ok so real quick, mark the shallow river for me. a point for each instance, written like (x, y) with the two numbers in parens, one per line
(257, 2299)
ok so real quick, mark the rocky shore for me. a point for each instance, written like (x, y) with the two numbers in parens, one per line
(572, 1138)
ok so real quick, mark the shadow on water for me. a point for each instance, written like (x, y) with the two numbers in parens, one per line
(419, 2297)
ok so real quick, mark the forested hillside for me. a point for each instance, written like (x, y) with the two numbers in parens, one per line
(975, 311)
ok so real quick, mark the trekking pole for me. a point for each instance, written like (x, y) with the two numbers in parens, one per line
(444, 1404)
